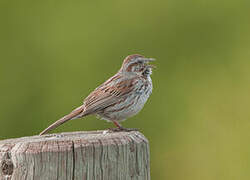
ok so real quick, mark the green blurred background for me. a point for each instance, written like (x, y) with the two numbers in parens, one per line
(54, 53)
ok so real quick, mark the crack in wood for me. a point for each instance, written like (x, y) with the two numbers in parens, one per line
(76, 155)
(73, 152)
(7, 165)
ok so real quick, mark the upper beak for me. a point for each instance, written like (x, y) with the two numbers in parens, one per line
(150, 59)
(147, 59)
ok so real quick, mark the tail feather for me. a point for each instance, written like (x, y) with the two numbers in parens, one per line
(74, 114)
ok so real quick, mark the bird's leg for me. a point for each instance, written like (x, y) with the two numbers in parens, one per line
(120, 128)
(118, 125)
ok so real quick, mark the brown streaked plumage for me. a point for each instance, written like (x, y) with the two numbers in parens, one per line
(120, 97)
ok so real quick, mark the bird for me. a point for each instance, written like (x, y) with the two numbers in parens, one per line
(120, 97)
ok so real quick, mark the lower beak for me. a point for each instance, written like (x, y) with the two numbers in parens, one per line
(151, 66)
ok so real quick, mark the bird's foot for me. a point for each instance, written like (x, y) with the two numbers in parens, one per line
(120, 129)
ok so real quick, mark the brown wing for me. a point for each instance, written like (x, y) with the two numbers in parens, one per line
(109, 93)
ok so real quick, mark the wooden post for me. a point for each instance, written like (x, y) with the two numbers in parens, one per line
(97, 155)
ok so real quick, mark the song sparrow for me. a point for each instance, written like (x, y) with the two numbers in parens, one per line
(120, 97)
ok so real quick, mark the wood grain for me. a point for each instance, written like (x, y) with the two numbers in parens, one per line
(97, 155)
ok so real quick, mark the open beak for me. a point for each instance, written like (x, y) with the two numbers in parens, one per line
(151, 66)
(147, 60)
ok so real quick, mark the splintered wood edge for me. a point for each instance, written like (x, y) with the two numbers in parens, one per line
(65, 140)
(66, 136)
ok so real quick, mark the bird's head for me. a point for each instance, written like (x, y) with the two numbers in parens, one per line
(137, 64)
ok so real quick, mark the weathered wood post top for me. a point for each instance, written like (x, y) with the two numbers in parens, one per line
(97, 155)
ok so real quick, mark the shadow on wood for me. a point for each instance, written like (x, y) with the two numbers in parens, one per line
(77, 155)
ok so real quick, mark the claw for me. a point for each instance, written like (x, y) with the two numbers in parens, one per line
(122, 129)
